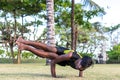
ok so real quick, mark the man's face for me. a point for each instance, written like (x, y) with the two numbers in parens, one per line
(79, 67)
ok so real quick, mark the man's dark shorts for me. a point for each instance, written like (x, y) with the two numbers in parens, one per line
(60, 50)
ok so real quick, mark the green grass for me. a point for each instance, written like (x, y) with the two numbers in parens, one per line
(38, 71)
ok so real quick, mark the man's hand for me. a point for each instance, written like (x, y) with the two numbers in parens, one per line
(80, 73)
(59, 59)
(53, 71)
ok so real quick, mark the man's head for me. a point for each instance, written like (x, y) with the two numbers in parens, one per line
(85, 62)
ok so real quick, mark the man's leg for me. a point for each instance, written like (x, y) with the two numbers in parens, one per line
(38, 52)
(38, 45)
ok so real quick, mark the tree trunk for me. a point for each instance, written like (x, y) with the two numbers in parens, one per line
(22, 26)
(50, 24)
(19, 57)
(73, 29)
(19, 51)
(14, 23)
(12, 52)
(15, 30)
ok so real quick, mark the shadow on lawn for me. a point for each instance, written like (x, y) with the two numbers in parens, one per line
(29, 74)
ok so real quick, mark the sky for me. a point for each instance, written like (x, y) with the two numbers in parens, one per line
(112, 16)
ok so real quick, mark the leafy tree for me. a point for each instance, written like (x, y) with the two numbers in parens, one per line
(114, 54)
(92, 5)
(63, 24)
(21, 8)
(110, 31)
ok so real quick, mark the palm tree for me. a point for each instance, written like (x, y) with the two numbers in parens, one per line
(50, 24)
(90, 4)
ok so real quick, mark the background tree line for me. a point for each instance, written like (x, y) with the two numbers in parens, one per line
(14, 22)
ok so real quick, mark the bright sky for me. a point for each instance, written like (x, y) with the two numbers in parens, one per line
(111, 7)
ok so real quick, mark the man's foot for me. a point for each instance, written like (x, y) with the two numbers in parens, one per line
(20, 39)
(20, 46)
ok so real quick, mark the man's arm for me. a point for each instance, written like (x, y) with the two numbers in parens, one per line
(80, 73)
(63, 57)
(59, 59)
(53, 66)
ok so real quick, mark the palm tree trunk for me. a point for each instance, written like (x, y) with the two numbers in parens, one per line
(50, 24)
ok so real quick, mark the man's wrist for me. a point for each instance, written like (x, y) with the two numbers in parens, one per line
(54, 76)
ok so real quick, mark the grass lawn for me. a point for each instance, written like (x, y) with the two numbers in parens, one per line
(38, 71)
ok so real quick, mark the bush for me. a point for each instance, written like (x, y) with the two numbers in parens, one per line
(114, 54)
(113, 61)
(7, 60)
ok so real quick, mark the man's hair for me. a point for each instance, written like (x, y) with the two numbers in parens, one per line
(86, 62)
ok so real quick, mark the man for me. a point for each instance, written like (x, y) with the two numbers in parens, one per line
(58, 55)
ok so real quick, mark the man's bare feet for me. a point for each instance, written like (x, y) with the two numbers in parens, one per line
(21, 46)
(20, 39)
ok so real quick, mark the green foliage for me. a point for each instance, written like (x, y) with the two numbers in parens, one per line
(5, 60)
(91, 13)
(9, 60)
(81, 19)
(26, 55)
(114, 54)
(1, 51)
(78, 17)
(28, 7)
(15, 54)
(112, 28)
(87, 54)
